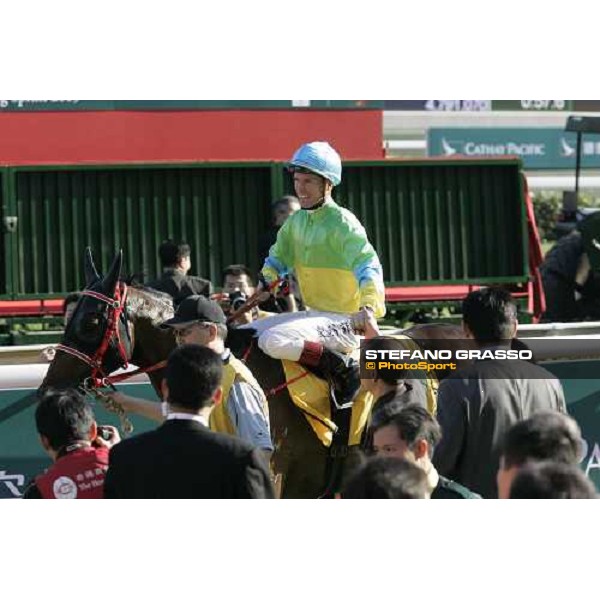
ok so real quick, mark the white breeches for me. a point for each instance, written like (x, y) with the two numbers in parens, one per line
(283, 336)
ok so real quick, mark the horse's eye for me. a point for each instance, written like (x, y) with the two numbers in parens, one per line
(91, 324)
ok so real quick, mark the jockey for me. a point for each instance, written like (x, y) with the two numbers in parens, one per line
(337, 269)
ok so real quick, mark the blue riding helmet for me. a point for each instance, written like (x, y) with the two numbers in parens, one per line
(319, 158)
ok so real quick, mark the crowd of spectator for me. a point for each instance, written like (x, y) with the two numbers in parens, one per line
(501, 436)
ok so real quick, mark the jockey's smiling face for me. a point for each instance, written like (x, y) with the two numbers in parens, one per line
(311, 188)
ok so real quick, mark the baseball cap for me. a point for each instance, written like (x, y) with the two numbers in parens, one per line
(196, 308)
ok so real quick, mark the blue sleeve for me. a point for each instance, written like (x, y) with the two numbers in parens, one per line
(246, 411)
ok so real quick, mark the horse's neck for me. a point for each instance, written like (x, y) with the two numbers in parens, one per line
(151, 344)
(268, 371)
(146, 312)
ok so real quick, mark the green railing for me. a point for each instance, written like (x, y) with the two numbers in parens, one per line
(432, 222)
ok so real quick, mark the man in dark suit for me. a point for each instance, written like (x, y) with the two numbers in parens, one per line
(183, 458)
(478, 404)
(175, 281)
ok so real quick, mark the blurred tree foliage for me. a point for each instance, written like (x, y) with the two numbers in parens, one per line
(547, 206)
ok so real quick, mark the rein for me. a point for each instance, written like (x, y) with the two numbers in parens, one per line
(257, 298)
(286, 384)
(282, 386)
(112, 379)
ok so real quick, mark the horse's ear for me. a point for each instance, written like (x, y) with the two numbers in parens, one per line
(91, 274)
(112, 277)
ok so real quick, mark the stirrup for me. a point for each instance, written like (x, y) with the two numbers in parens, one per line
(334, 400)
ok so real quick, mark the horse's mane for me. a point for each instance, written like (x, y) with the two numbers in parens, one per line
(150, 304)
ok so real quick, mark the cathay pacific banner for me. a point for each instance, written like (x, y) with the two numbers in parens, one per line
(538, 148)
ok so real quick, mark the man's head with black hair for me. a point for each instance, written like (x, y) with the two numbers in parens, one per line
(387, 478)
(193, 378)
(544, 436)
(490, 316)
(283, 208)
(63, 417)
(238, 278)
(552, 481)
(175, 255)
(406, 431)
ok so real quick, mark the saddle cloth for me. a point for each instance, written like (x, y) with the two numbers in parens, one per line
(311, 395)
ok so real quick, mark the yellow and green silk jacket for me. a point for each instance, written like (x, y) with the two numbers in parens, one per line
(336, 267)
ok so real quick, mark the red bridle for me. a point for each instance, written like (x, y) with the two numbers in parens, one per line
(116, 307)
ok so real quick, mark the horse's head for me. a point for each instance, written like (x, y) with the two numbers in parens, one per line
(97, 339)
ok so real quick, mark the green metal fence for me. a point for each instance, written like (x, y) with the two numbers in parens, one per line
(432, 222)
(441, 222)
(219, 210)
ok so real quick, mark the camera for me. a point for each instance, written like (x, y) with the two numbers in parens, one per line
(104, 433)
(237, 299)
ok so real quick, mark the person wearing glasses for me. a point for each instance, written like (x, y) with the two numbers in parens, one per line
(243, 411)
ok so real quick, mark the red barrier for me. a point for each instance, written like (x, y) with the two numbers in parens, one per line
(136, 136)
(30, 308)
(435, 293)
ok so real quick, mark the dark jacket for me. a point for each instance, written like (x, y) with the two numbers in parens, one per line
(477, 406)
(558, 276)
(265, 241)
(446, 489)
(184, 459)
(180, 286)
(385, 406)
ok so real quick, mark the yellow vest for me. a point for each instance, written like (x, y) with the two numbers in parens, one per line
(234, 371)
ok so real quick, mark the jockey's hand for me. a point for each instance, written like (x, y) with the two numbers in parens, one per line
(364, 322)
(263, 287)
